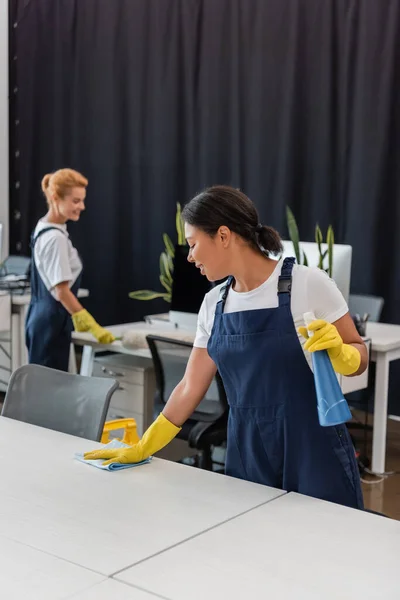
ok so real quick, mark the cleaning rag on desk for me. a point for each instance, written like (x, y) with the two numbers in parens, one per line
(136, 338)
(113, 466)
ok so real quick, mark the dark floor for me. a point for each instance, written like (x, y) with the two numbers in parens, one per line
(383, 496)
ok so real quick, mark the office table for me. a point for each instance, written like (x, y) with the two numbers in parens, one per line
(20, 304)
(28, 573)
(113, 590)
(295, 547)
(385, 347)
(106, 521)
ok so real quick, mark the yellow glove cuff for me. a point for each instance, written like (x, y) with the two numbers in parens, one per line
(83, 321)
(347, 362)
(159, 434)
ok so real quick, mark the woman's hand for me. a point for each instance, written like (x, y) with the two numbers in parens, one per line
(347, 358)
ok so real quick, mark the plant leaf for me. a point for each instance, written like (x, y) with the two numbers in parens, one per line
(146, 295)
(330, 240)
(170, 264)
(169, 247)
(319, 240)
(318, 235)
(166, 284)
(305, 260)
(180, 228)
(293, 232)
(164, 267)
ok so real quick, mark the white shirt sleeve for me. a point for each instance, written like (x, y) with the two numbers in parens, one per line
(54, 259)
(202, 333)
(324, 297)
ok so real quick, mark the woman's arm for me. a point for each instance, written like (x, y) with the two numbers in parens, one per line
(67, 298)
(184, 399)
(188, 394)
(83, 321)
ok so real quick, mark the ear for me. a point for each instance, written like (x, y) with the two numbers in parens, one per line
(224, 235)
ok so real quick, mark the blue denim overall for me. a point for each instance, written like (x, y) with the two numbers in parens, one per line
(48, 324)
(274, 436)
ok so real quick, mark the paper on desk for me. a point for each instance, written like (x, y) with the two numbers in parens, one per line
(114, 466)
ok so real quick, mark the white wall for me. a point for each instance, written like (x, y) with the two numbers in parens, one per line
(4, 185)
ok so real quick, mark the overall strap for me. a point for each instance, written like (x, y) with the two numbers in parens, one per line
(223, 294)
(285, 282)
(35, 238)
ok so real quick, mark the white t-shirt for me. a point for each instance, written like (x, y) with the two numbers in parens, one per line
(312, 291)
(55, 257)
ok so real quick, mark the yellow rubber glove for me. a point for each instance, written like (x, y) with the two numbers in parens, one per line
(83, 321)
(159, 434)
(345, 358)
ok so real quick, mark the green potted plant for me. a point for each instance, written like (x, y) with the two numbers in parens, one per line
(166, 264)
(324, 255)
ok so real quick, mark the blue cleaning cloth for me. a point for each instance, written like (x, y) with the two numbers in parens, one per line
(114, 466)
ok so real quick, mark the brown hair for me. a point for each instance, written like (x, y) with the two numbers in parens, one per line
(223, 205)
(61, 182)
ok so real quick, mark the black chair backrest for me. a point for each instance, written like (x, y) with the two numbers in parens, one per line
(361, 304)
(170, 358)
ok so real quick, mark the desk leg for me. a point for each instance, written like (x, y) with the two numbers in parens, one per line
(15, 342)
(72, 367)
(87, 361)
(380, 413)
(23, 349)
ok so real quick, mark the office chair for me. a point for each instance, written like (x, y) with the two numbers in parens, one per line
(361, 305)
(207, 426)
(61, 401)
(5, 337)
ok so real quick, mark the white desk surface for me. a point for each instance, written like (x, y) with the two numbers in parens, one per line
(23, 299)
(86, 339)
(27, 573)
(113, 590)
(292, 548)
(384, 336)
(101, 520)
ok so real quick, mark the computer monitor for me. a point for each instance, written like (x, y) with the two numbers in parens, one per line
(188, 290)
(341, 268)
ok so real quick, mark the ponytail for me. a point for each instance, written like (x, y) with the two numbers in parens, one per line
(46, 183)
(269, 239)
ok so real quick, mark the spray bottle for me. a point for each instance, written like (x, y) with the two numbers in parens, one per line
(332, 406)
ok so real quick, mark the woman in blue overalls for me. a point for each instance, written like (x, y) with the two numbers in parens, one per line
(56, 274)
(247, 330)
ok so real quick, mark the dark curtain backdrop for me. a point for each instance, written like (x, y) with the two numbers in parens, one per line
(295, 101)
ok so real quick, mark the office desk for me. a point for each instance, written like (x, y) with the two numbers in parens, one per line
(101, 520)
(91, 345)
(385, 348)
(28, 573)
(295, 547)
(113, 590)
(20, 304)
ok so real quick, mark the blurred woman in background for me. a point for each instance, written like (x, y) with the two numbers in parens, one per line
(56, 270)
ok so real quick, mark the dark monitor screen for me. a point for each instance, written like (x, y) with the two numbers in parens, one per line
(189, 286)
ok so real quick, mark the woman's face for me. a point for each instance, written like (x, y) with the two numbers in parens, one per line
(72, 204)
(209, 253)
